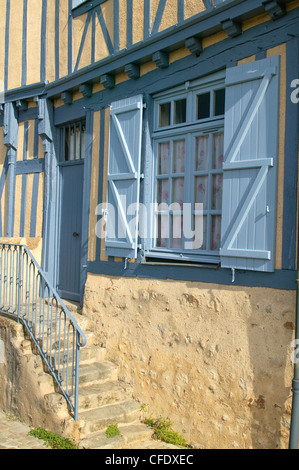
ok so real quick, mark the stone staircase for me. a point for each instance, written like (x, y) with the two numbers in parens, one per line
(104, 400)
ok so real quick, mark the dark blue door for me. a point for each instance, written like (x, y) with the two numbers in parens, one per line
(70, 231)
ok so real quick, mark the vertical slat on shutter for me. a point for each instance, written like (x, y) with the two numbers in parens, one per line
(250, 166)
(124, 177)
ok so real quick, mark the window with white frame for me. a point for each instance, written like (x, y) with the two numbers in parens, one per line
(188, 141)
(210, 171)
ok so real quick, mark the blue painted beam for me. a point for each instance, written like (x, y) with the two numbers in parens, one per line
(25, 92)
(2, 184)
(280, 279)
(70, 38)
(291, 162)
(86, 26)
(34, 201)
(80, 10)
(6, 58)
(11, 142)
(43, 36)
(57, 39)
(24, 45)
(158, 17)
(100, 181)
(129, 23)
(30, 166)
(105, 30)
(147, 19)
(23, 205)
(203, 24)
(116, 26)
(85, 201)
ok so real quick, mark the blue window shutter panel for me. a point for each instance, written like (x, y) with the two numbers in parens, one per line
(124, 177)
(250, 166)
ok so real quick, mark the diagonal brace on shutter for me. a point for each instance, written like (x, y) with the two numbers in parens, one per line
(122, 217)
(124, 146)
(232, 234)
(245, 126)
(263, 164)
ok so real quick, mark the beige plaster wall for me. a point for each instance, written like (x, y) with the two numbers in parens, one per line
(33, 244)
(214, 359)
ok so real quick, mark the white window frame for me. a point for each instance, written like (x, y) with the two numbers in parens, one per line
(189, 130)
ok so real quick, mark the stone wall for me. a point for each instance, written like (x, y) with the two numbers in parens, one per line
(214, 359)
(26, 391)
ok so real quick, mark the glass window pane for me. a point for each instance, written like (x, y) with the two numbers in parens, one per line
(83, 133)
(178, 191)
(201, 191)
(216, 233)
(179, 111)
(163, 191)
(66, 147)
(218, 150)
(203, 106)
(77, 143)
(202, 153)
(217, 192)
(72, 143)
(162, 231)
(219, 106)
(176, 240)
(200, 228)
(164, 152)
(178, 165)
(164, 115)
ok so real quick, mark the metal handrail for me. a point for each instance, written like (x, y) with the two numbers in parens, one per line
(27, 295)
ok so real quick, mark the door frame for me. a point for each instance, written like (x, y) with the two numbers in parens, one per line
(51, 230)
(61, 165)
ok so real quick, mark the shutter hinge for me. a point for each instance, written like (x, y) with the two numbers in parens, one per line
(126, 262)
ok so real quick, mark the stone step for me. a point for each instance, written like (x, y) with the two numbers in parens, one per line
(97, 372)
(53, 344)
(133, 433)
(96, 395)
(153, 444)
(98, 419)
(92, 354)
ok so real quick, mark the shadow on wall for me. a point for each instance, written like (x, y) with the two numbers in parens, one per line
(270, 333)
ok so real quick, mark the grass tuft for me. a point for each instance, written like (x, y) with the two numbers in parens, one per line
(162, 430)
(53, 440)
(112, 431)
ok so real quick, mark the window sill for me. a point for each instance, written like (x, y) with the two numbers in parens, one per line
(157, 259)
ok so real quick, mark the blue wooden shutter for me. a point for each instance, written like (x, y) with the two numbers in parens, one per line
(124, 177)
(250, 166)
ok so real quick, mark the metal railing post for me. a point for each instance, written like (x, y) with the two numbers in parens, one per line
(53, 329)
(19, 281)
